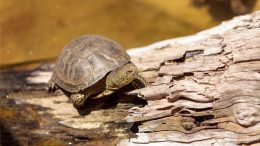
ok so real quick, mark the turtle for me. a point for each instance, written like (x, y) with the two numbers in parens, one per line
(92, 66)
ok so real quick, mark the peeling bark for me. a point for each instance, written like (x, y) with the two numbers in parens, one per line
(205, 91)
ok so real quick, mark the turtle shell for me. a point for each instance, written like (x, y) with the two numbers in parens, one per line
(86, 60)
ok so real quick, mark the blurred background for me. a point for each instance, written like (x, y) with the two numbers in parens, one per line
(33, 30)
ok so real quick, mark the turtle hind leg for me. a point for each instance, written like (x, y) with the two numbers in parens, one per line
(78, 99)
(140, 82)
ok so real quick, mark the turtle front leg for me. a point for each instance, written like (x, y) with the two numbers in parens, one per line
(102, 94)
(78, 99)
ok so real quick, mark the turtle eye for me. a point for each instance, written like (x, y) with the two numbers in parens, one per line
(129, 71)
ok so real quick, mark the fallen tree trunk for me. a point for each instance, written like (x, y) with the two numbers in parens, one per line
(205, 88)
(204, 91)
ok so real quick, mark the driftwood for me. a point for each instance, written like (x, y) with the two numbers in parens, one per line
(205, 90)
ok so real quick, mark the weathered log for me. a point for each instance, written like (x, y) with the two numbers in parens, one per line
(205, 88)
(204, 91)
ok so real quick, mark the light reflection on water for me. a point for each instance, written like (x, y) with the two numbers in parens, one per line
(36, 29)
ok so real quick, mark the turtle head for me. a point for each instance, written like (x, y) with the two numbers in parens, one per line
(129, 73)
(123, 75)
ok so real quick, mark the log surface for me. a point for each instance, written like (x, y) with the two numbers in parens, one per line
(205, 90)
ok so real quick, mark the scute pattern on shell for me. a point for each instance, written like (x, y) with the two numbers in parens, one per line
(86, 60)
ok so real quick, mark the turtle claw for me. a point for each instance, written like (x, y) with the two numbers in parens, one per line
(51, 87)
(104, 93)
(139, 82)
